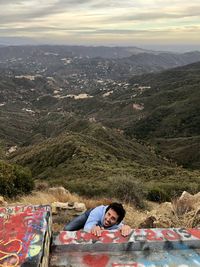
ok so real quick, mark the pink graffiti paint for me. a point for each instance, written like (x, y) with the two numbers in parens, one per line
(95, 260)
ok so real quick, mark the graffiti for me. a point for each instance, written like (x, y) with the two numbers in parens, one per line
(186, 258)
(9, 251)
(96, 260)
(27, 209)
(22, 231)
(82, 237)
(178, 247)
(162, 235)
(146, 235)
(194, 232)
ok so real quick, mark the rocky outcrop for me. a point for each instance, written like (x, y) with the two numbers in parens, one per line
(181, 212)
(59, 206)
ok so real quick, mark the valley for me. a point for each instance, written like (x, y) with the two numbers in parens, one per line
(80, 117)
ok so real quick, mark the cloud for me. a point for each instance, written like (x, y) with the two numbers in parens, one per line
(113, 10)
(122, 18)
(155, 14)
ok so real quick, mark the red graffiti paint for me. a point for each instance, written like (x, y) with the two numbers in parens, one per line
(120, 238)
(105, 237)
(18, 228)
(82, 236)
(194, 232)
(170, 235)
(64, 238)
(151, 235)
(95, 260)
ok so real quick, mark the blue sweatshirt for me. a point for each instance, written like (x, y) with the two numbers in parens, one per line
(96, 217)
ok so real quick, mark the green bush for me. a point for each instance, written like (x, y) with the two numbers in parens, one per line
(161, 192)
(127, 189)
(14, 180)
(157, 194)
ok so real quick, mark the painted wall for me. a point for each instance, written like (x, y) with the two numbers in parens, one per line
(23, 232)
(173, 258)
(138, 239)
(143, 248)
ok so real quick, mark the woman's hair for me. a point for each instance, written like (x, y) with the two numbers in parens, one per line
(118, 208)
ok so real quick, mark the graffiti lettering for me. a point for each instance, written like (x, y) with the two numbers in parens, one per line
(151, 235)
(170, 235)
(146, 235)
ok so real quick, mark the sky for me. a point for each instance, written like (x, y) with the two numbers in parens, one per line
(164, 23)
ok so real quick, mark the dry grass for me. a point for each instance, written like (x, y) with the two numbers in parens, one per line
(187, 211)
(134, 217)
(182, 206)
(39, 198)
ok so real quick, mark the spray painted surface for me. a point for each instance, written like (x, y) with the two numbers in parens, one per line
(142, 248)
(24, 235)
(157, 258)
(139, 239)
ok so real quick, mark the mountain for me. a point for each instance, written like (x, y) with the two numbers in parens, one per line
(61, 62)
(171, 114)
(84, 121)
(90, 160)
(78, 51)
(155, 107)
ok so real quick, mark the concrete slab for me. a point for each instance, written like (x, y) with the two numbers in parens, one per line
(154, 258)
(142, 248)
(25, 233)
(139, 239)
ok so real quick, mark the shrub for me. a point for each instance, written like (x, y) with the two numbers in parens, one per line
(161, 192)
(157, 194)
(127, 189)
(14, 180)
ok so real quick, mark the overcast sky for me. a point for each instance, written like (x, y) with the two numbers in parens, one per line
(102, 22)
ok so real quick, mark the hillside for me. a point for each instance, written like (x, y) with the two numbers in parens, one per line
(90, 161)
(89, 122)
(171, 115)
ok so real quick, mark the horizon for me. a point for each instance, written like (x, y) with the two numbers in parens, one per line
(174, 48)
(169, 25)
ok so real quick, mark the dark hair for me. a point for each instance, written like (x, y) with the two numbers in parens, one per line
(118, 208)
